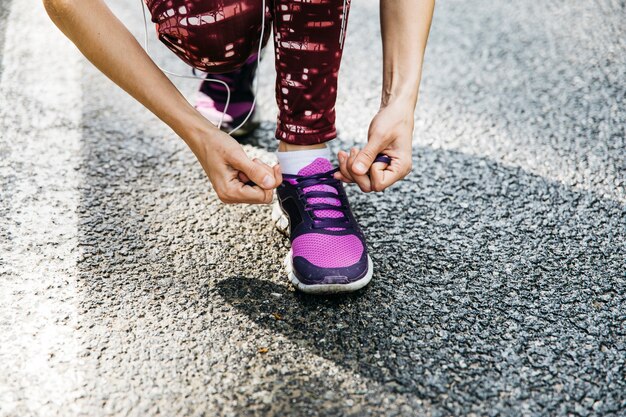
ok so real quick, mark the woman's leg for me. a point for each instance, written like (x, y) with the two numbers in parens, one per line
(212, 97)
(220, 37)
(328, 249)
(308, 38)
(214, 36)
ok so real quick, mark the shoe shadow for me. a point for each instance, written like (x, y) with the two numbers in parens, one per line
(339, 327)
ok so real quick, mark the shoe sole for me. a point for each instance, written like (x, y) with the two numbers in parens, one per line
(282, 224)
(328, 288)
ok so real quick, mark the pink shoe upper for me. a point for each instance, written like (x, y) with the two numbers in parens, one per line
(330, 247)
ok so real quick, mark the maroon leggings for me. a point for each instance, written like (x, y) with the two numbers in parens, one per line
(218, 36)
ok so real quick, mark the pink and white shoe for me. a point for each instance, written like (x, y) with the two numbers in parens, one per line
(211, 99)
(328, 249)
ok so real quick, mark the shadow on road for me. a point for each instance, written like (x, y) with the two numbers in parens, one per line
(493, 287)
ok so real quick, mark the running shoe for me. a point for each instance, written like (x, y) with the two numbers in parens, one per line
(211, 99)
(328, 250)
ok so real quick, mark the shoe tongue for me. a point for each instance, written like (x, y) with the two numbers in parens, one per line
(319, 165)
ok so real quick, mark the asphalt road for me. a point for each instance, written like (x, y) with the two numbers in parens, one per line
(127, 289)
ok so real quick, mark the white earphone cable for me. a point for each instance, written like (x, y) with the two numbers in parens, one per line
(256, 83)
(343, 24)
(194, 77)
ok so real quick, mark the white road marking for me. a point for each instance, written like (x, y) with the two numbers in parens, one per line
(40, 115)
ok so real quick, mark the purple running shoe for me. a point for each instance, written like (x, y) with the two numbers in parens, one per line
(328, 252)
(211, 99)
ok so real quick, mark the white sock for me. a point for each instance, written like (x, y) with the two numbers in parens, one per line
(292, 162)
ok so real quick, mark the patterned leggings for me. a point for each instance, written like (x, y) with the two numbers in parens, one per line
(218, 36)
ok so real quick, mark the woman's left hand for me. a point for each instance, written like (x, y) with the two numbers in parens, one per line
(390, 133)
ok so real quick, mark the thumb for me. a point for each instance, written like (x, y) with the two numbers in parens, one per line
(365, 158)
(258, 172)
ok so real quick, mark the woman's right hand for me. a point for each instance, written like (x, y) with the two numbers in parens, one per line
(229, 168)
(106, 42)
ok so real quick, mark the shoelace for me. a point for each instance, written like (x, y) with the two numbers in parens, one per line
(327, 178)
(323, 178)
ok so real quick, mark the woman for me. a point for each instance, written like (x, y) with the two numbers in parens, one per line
(221, 37)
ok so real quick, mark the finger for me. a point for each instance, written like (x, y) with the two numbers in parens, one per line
(278, 175)
(257, 171)
(393, 173)
(343, 166)
(242, 177)
(339, 176)
(363, 181)
(377, 175)
(233, 191)
(240, 193)
(365, 158)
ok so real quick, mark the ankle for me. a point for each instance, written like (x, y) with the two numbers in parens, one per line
(288, 147)
(292, 161)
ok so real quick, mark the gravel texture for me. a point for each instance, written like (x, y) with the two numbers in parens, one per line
(500, 284)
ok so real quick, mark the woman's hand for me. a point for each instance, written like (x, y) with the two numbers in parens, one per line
(404, 25)
(391, 133)
(106, 42)
(229, 168)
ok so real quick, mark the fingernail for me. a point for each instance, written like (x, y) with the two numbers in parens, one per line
(359, 167)
(341, 158)
(268, 181)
